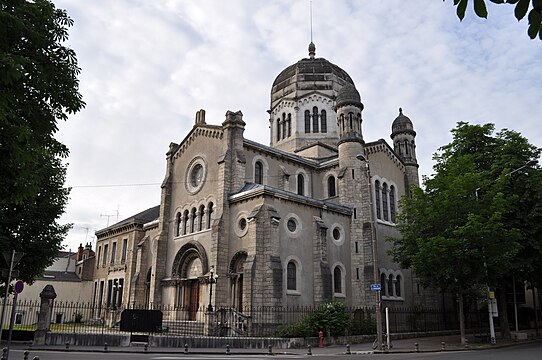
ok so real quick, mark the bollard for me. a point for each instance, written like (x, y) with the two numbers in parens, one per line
(309, 350)
(348, 352)
(466, 344)
(105, 347)
(146, 347)
(270, 350)
(186, 348)
(442, 346)
(416, 347)
(25, 357)
(67, 345)
(228, 350)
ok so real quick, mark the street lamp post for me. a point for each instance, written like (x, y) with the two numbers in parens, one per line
(376, 273)
(212, 280)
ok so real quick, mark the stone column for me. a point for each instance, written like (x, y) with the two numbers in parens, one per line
(48, 295)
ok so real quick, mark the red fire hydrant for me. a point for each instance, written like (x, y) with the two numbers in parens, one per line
(321, 339)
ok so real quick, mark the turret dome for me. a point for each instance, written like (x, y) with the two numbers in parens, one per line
(348, 95)
(402, 124)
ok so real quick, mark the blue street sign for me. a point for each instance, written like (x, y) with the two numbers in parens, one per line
(375, 287)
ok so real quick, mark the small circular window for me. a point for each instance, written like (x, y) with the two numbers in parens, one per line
(242, 223)
(337, 234)
(292, 225)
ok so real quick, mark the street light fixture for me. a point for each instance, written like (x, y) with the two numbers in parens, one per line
(376, 273)
(212, 280)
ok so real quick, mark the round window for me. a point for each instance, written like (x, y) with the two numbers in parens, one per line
(242, 223)
(292, 225)
(197, 175)
(337, 234)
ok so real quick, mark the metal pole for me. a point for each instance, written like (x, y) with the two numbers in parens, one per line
(11, 322)
(376, 276)
(515, 301)
(490, 311)
(7, 294)
(387, 328)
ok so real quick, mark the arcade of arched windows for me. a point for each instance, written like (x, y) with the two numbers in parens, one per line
(350, 122)
(385, 201)
(315, 121)
(195, 219)
(284, 126)
(391, 284)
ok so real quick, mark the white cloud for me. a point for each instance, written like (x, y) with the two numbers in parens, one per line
(148, 66)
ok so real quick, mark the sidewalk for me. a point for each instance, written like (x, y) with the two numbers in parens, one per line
(424, 344)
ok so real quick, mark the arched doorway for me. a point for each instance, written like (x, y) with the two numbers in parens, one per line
(189, 266)
(237, 265)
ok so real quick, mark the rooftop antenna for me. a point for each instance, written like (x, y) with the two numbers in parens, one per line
(312, 48)
(107, 216)
(311, 17)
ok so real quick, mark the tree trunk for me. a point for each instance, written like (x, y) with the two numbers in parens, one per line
(461, 319)
(503, 312)
(535, 312)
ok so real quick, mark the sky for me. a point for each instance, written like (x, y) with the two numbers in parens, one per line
(148, 66)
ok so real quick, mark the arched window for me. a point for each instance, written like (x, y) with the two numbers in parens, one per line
(300, 184)
(385, 201)
(278, 129)
(289, 125)
(390, 285)
(351, 121)
(323, 121)
(392, 203)
(337, 280)
(307, 121)
(291, 276)
(383, 283)
(209, 212)
(359, 122)
(406, 147)
(258, 172)
(331, 190)
(185, 222)
(201, 217)
(179, 223)
(193, 220)
(377, 199)
(283, 125)
(398, 286)
(315, 119)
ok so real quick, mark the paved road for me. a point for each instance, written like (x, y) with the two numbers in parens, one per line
(531, 351)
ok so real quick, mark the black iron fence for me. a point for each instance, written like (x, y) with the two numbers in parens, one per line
(80, 318)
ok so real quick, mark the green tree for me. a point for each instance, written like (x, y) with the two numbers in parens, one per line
(520, 10)
(457, 232)
(38, 88)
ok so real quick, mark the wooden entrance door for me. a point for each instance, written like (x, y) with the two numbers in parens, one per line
(193, 300)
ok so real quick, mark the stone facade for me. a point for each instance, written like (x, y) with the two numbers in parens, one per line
(294, 223)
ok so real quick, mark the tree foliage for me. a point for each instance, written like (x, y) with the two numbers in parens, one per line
(522, 7)
(38, 88)
(476, 219)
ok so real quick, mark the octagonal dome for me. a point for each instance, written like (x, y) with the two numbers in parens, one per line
(309, 75)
